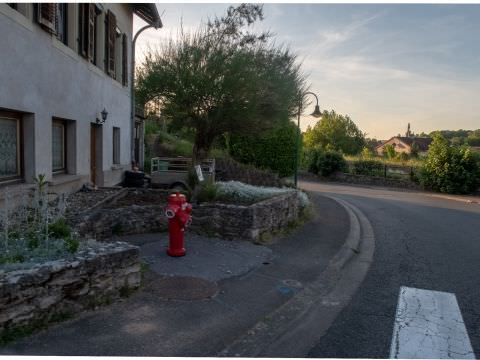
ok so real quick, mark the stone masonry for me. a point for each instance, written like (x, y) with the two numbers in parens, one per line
(246, 222)
(33, 297)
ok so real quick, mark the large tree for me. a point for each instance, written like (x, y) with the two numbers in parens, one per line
(335, 132)
(222, 78)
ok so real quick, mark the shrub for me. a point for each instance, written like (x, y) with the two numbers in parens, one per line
(235, 191)
(274, 150)
(59, 229)
(368, 167)
(326, 162)
(207, 193)
(450, 169)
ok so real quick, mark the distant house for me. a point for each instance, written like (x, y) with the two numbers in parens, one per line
(405, 144)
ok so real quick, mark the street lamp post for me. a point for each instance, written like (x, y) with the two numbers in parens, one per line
(156, 25)
(316, 113)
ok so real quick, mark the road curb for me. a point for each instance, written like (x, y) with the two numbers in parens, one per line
(295, 327)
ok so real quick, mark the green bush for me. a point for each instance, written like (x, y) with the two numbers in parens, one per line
(274, 150)
(326, 162)
(59, 229)
(207, 192)
(368, 167)
(450, 169)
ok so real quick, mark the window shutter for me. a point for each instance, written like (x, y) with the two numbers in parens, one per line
(83, 30)
(112, 24)
(47, 16)
(124, 60)
(91, 32)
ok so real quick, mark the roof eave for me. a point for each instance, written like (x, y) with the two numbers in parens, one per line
(149, 13)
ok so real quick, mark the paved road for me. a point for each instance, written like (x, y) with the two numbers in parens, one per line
(422, 242)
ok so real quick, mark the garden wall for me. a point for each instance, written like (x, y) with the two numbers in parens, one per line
(51, 291)
(375, 181)
(246, 222)
(227, 221)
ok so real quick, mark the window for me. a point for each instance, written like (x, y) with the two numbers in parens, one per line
(61, 22)
(116, 145)
(110, 39)
(10, 146)
(88, 31)
(58, 146)
(46, 16)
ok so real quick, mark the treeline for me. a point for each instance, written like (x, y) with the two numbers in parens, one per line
(459, 137)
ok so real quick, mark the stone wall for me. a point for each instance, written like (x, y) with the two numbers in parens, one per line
(222, 220)
(364, 180)
(33, 297)
(246, 222)
(133, 219)
(375, 181)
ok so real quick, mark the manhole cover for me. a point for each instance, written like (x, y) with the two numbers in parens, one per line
(183, 288)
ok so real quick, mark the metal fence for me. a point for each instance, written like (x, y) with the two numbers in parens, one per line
(380, 169)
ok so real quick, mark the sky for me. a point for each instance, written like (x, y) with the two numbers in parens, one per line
(384, 65)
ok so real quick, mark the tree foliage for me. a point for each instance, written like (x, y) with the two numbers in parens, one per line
(450, 169)
(325, 162)
(275, 150)
(223, 78)
(335, 132)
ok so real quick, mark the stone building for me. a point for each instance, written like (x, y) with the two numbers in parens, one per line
(65, 92)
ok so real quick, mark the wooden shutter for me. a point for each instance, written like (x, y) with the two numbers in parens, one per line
(46, 16)
(91, 32)
(124, 60)
(83, 30)
(111, 37)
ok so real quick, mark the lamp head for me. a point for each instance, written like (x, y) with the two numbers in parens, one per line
(104, 114)
(317, 113)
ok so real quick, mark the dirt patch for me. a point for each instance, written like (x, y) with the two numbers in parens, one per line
(140, 198)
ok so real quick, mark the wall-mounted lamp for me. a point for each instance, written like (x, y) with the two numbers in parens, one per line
(104, 114)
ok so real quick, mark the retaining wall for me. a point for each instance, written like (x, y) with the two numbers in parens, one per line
(54, 290)
(246, 222)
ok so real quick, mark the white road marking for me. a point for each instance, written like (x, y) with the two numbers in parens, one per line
(429, 325)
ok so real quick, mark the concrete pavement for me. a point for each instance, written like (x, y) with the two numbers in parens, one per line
(236, 286)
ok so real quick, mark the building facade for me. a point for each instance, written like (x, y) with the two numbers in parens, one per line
(65, 107)
(407, 145)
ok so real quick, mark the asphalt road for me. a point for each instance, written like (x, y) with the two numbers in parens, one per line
(422, 241)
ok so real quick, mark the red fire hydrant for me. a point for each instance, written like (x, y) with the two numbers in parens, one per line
(178, 213)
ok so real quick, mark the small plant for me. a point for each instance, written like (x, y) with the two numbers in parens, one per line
(59, 229)
(34, 229)
(207, 192)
